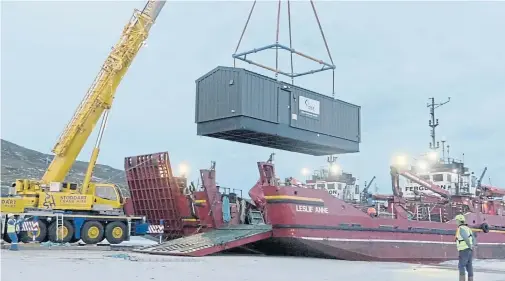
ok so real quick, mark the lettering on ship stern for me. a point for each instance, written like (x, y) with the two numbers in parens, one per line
(311, 209)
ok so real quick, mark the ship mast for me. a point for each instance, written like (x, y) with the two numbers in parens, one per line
(433, 123)
(332, 159)
(332, 165)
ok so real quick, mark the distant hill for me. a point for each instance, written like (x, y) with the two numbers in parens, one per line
(22, 163)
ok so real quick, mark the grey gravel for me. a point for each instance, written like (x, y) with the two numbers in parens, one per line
(127, 266)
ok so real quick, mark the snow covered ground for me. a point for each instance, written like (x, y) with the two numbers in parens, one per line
(83, 265)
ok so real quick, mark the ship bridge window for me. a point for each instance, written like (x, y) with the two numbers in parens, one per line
(449, 177)
(425, 177)
(330, 186)
(340, 186)
(321, 185)
(438, 177)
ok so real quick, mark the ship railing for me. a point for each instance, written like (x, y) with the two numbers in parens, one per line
(228, 190)
(423, 210)
(384, 214)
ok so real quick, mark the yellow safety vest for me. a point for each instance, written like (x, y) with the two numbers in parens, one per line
(11, 226)
(460, 242)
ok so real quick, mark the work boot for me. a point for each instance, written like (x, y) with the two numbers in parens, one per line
(463, 278)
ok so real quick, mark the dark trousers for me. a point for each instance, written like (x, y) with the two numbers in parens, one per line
(465, 262)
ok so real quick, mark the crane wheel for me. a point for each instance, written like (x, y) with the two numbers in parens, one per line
(40, 235)
(92, 232)
(115, 232)
(62, 235)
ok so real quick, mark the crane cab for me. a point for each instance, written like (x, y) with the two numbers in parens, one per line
(106, 196)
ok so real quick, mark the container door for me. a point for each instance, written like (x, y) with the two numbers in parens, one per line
(284, 110)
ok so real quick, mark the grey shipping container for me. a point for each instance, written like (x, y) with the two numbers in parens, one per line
(242, 106)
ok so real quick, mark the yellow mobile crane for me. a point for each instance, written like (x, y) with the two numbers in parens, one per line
(51, 192)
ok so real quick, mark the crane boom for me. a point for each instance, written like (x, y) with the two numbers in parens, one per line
(100, 95)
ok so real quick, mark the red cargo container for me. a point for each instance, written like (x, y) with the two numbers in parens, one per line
(154, 190)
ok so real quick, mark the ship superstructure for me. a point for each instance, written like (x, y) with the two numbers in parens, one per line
(449, 174)
(339, 184)
(435, 168)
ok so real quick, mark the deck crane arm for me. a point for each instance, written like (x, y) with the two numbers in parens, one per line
(479, 182)
(98, 100)
(365, 190)
(478, 188)
(364, 193)
(487, 190)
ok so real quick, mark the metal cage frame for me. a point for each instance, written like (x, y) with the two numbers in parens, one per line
(243, 57)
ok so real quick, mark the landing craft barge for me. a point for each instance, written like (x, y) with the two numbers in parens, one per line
(314, 222)
(297, 220)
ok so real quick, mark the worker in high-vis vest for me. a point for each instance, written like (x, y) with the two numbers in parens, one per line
(12, 230)
(465, 242)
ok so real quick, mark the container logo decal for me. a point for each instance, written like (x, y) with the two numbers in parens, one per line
(308, 107)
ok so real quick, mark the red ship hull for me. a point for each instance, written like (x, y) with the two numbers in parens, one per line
(311, 222)
(293, 220)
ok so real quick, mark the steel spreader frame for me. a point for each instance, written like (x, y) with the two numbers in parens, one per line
(243, 57)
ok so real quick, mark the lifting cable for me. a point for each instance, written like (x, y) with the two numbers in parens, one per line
(325, 43)
(290, 43)
(243, 30)
(276, 70)
(277, 41)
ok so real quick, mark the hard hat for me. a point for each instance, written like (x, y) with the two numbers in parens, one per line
(460, 218)
(10, 215)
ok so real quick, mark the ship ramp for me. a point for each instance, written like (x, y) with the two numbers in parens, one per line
(211, 242)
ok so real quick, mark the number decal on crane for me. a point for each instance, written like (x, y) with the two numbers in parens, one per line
(49, 201)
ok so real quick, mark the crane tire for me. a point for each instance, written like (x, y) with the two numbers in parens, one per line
(68, 232)
(485, 227)
(115, 232)
(40, 236)
(92, 232)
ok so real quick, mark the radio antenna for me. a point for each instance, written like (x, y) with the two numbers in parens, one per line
(433, 123)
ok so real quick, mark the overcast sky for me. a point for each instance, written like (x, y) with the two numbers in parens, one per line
(390, 58)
